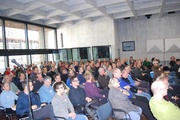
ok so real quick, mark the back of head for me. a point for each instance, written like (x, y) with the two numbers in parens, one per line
(158, 84)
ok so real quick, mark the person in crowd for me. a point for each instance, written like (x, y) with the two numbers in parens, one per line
(172, 62)
(51, 73)
(7, 98)
(64, 75)
(45, 72)
(21, 78)
(176, 68)
(109, 71)
(118, 98)
(131, 60)
(80, 75)
(38, 83)
(124, 82)
(77, 96)
(103, 78)
(71, 73)
(162, 109)
(46, 92)
(39, 111)
(62, 106)
(76, 66)
(34, 73)
(136, 100)
(142, 85)
(139, 74)
(96, 68)
(13, 87)
(57, 78)
(92, 91)
(172, 94)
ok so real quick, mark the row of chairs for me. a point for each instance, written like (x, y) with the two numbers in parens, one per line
(103, 112)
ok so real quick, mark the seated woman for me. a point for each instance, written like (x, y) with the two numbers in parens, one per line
(7, 98)
(62, 106)
(92, 91)
(119, 100)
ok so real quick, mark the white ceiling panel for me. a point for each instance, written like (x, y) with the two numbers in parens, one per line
(56, 12)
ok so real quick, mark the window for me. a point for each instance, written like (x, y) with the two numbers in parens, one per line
(21, 59)
(37, 59)
(15, 35)
(101, 52)
(35, 37)
(50, 39)
(2, 66)
(1, 38)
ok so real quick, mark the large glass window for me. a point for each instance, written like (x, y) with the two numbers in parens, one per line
(2, 66)
(35, 37)
(1, 38)
(50, 39)
(80, 54)
(15, 35)
(63, 55)
(37, 59)
(101, 52)
(21, 59)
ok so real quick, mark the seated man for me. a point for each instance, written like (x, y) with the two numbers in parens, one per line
(62, 106)
(77, 96)
(46, 92)
(103, 78)
(7, 98)
(39, 111)
(57, 78)
(162, 109)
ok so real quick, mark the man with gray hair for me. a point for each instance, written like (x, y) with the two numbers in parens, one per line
(162, 109)
(103, 78)
(46, 92)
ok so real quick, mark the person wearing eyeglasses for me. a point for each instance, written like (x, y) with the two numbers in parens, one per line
(162, 109)
(78, 96)
(62, 106)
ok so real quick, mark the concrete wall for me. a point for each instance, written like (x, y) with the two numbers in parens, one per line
(86, 34)
(105, 31)
(148, 29)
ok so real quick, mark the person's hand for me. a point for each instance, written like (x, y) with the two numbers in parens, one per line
(34, 107)
(13, 107)
(72, 115)
(139, 91)
(88, 99)
(125, 92)
(127, 87)
(175, 98)
(137, 83)
(43, 104)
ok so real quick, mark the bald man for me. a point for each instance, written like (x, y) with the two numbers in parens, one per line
(162, 109)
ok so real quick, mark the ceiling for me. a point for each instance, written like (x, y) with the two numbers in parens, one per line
(55, 12)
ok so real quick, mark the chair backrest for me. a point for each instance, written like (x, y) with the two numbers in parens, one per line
(104, 111)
